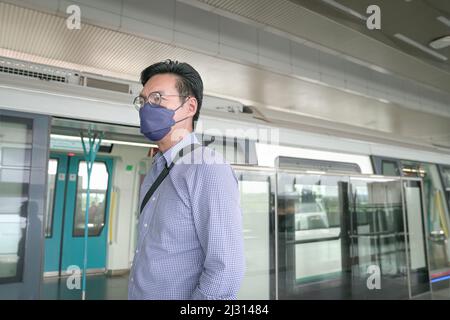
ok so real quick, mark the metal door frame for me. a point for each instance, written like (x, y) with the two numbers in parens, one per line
(60, 186)
(29, 287)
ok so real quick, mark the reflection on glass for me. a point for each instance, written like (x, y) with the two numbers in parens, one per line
(389, 168)
(446, 177)
(97, 199)
(437, 213)
(308, 233)
(15, 150)
(378, 234)
(334, 232)
(420, 281)
(255, 204)
(51, 187)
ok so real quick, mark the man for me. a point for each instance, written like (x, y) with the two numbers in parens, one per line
(190, 242)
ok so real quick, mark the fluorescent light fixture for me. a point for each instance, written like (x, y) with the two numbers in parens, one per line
(127, 143)
(379, 69)
(420, 46)
(341, 7)
(352, 92)
(371, 179)
(267, 153)
(444, 20)
(440, 43)
(384, 101)
(136, 144)
(315, 172)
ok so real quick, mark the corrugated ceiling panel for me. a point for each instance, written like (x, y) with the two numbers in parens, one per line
(35, 33)
(295, 20)
(281, 14)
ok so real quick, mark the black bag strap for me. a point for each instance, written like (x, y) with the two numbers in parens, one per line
(185, 151)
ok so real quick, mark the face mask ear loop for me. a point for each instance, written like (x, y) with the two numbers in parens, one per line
(179, 108)
(182, 119)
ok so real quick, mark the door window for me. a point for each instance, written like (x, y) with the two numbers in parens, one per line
(15, 167)
(51, 187)
(97, 199)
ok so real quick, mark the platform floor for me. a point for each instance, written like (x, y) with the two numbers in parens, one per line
(98, 287)
(102, 287)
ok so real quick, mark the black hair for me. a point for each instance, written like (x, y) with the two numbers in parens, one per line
(189, 82)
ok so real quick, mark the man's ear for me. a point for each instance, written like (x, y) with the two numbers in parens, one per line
(192, 106)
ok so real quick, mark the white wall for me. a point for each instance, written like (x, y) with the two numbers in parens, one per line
(123, 216)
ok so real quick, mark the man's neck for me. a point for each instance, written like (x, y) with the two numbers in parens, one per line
(169, 141)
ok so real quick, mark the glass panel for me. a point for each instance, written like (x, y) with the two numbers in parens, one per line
(389, 168)
(446, 177)
(15, 150)
(97, 199)
(420, 281)
(445, 171)
(377, 237)
(344, 238)
(309, 245)
(291, 163)
(256, 207)
(51, 187)
(437, 217)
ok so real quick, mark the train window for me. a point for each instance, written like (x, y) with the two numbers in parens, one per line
(445, 173)
(317, 165)
(15, 168)
(51, 188)
(311, 159)
(389, 168)
(446, 177)
(97, 199)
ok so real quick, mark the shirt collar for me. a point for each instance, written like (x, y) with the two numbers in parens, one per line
(171, 153)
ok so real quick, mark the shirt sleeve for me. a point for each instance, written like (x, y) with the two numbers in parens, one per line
(218, 222)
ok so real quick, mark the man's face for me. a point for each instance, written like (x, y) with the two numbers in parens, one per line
(165, 84)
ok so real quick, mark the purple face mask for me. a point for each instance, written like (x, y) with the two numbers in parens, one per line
(156, 121)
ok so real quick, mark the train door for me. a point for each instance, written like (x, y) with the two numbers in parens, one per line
(23, 157)
(64, 230)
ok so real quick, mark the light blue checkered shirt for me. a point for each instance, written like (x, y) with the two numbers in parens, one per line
(190, 243)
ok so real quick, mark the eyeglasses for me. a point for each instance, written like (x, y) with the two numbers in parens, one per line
(153, 98)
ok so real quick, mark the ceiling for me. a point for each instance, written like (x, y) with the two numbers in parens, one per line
(415, 19)
(317, 23)
(42, 38)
